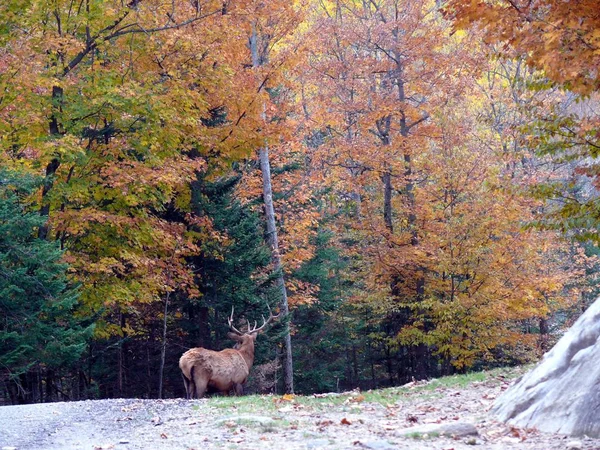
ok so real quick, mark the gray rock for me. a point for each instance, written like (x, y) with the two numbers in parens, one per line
(561, 393)
(458, 429)
(378, 445)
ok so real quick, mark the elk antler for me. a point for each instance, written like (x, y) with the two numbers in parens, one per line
(252, 329)
(230, 322)
(265, 322)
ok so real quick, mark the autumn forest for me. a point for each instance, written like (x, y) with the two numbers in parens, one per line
(411, 184)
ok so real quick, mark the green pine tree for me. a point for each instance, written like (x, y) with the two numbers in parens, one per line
(231, 271)
(322, 333)
(39, 333)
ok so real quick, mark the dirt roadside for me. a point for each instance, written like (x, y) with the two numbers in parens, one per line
(417, 416)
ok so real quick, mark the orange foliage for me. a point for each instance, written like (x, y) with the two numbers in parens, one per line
(562, 38)
(438, 220)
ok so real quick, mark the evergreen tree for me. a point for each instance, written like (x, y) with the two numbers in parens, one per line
(39, 333)
(322, 333)
(231, 269)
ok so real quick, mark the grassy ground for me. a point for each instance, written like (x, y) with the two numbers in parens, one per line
(322, 402)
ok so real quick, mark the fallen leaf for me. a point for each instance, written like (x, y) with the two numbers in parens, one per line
(156, 420)
(346, 422)
(427, 408)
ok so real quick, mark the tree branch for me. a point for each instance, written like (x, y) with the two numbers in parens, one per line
(125, 30)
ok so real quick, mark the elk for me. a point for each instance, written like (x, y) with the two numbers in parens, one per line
(225, 370)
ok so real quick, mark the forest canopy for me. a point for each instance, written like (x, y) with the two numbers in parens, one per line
(413, 184)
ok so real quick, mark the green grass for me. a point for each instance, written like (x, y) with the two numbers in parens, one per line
(270, 405)
(245, 404)
(428, 390)
(419, 436)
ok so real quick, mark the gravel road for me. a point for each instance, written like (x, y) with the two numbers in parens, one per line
(414, 418)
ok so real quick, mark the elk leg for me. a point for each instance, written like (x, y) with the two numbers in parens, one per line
(189, 386)
(200, 389)
(238, 389)
(200, 382)
(186, 383)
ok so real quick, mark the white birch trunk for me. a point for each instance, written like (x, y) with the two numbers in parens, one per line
(272, 238)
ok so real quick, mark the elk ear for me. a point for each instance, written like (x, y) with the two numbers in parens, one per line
(235, 337)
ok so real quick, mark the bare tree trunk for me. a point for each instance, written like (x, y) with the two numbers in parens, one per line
(387, 201)
(265, 167)
(50, 392)
(288, 369)
(54, 164)
(163, 347)
(121, 360)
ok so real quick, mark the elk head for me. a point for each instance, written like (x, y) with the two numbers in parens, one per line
(246, 339)
(224, 370)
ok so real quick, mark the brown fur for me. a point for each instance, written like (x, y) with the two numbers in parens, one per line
(225, 370)
(222, 371)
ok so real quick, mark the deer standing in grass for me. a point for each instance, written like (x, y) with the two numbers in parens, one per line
(224, 370)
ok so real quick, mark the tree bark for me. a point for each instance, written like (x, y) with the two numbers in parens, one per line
(387, 201)
(49, 386)
(54, 164)
(265, 167)
(163, 347)
(121, 358)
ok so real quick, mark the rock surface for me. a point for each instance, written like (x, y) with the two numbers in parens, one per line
(442, 429)
(562, 393)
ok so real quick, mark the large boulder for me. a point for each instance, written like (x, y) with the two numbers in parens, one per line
(562, 393)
